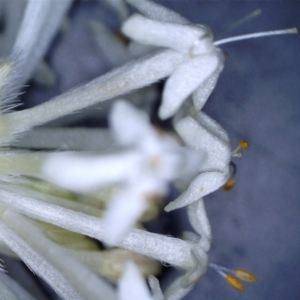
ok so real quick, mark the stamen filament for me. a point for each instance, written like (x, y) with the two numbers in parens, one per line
(243, 145)
(256, 35)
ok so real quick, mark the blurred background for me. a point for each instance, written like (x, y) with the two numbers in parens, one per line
(256, 226)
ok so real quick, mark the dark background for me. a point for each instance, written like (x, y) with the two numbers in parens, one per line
(256, 225)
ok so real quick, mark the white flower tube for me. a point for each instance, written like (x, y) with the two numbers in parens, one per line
(6, 293)
(40, 22)
(37, 263)
(131, 76)
(171, 250)
(18, 291)
(91, 288)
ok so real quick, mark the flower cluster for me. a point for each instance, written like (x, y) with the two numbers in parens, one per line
(55, 205)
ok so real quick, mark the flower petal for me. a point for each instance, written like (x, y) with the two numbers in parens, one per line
(132, 285)
(158, 12)
(129, 124)
(202, 185)
(186, 78)
(83, 172)
(202, 93)
(122, 213)
(203, 133)
(162, 34)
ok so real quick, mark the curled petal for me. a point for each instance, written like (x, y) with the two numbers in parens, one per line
(203, 133)
(186, 78)
(202, 185)
(158, 12)
(162, 34)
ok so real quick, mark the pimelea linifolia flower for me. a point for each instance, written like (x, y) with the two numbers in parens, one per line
(50, 203)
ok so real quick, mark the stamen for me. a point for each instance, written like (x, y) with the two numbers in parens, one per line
(233, 280)
(241, 21)
(245, 276)
(245, 19)
(256, 35)
(230, 183)
(243, 145)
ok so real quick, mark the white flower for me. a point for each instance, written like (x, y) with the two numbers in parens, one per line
(204, 62)
(144, 169)
(165, 28)
(205, 135)
(47, 228)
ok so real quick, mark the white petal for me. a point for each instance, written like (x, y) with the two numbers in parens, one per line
(202, 93)
(129, 124)
(170, 35)
(158, 12)
(123, 212)
(203, 133)
(201, 186)
(80, 173)
(132, 285)
(186, 78)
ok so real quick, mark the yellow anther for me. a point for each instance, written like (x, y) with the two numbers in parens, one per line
(121, 37)
(229, 184)
(245, 276)
(244, 144)
(234, 282)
